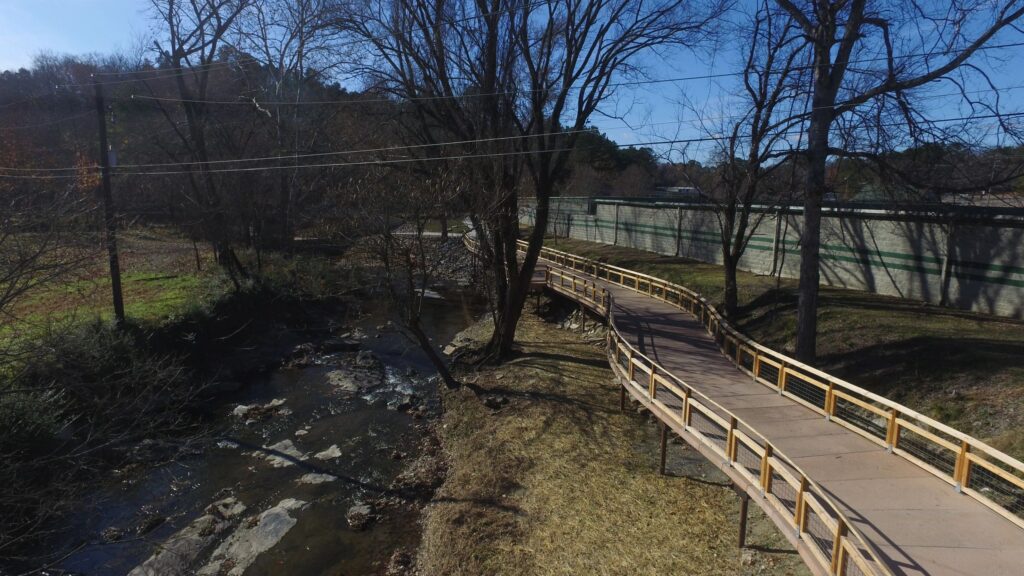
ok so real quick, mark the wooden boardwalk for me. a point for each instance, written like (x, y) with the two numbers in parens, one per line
(850, 503)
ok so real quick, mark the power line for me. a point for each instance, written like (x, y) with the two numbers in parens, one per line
(122, 169)
(322, 165)
(317, 154)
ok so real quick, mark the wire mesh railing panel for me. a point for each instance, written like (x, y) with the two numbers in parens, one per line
(927, 451)
(805, 390)
(767, 372)
(784, 492)
(729, 348)
(858, 417)
(818, 533)
(1000, 490)
(623, 358)
(668, 397)
(852, 568)
(711, 430)
(748, 459)
(672, 296)
(747, 359)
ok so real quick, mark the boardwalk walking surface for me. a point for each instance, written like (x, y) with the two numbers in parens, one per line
(918, 522)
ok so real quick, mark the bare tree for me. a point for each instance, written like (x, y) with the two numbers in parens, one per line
(868, 57)
(393, 209)
(518, 82)
(758, 140)
(195, 31)
(295, 44)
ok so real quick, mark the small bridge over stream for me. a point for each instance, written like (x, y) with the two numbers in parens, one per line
(857, 483)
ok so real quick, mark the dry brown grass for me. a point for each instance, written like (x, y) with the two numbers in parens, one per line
(560, 482)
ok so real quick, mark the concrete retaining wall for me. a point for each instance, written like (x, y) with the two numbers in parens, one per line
(968, 258)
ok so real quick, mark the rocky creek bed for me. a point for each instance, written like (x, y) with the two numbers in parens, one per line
(318, 467)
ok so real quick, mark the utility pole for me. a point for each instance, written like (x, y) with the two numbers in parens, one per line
(109, 217)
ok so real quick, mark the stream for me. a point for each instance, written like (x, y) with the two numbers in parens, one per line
(302, 473)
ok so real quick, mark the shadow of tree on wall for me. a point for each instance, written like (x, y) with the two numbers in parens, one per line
(978, 244)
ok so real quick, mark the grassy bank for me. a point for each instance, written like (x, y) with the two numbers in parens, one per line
(962, 368)
(159, 276)
(559, 481)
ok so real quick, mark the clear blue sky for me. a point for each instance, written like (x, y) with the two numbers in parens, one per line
(653, 112)
(28, 27)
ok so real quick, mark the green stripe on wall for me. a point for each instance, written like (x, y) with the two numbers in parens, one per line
(862, 256)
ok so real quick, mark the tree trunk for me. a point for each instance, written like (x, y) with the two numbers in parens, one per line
(432, 355)
(810, 237)
(199, 261)
(810, 245)
(731, 289)
(518, 277)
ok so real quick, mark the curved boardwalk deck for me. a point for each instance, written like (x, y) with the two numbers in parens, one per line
(917, 522)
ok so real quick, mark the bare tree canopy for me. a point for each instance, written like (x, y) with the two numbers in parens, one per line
(866, 60)
(518, 82)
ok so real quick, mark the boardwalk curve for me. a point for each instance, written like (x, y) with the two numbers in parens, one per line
(859, 484)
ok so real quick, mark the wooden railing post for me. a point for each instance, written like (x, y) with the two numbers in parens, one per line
(629, 371)
(651, 387)
(961, 472)
(837, 547)
(830, 401)
(766, 470)
(892, 430)
(730, 440)
(781, 378)
(800, 516)
(686, 408)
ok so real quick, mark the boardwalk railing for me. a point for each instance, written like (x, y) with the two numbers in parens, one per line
(800, 505)
(969, 465)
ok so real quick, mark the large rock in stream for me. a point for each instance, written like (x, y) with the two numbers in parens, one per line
(241, 549)
(177, 556)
